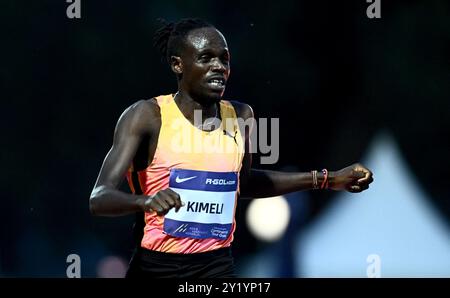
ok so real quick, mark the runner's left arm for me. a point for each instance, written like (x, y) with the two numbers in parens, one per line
(256, 183)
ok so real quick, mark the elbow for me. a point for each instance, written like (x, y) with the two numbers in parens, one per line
(94, 200)
(93, 208)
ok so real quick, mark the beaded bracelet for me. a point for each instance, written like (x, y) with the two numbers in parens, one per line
(314, 178)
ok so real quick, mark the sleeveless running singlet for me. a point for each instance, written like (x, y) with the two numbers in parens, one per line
(203, 167)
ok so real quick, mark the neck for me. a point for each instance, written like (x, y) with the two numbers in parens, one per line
(188, 105)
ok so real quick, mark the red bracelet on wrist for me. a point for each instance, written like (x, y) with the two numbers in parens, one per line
(325, 179)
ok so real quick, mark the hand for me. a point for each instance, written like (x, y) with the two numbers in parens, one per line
(355, 178)
(162, 202)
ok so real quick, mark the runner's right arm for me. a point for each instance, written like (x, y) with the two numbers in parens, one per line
(139, 121)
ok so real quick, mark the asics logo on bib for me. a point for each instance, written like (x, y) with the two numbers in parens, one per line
(219, 181)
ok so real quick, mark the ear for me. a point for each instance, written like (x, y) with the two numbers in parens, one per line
(176, 64)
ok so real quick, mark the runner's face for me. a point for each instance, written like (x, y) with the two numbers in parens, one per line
(205, 64)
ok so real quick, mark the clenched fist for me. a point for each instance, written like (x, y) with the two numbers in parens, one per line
(355, 178)
(162, 202)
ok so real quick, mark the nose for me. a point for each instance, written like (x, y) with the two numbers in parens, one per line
(218, 66)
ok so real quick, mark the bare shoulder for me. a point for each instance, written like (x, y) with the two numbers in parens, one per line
(243, 110)
(142, 116)
(143, 108)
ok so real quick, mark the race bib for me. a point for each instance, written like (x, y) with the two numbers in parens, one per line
(209, 199)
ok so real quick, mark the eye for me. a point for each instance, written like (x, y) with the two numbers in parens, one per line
(205, 58)
(225, 58)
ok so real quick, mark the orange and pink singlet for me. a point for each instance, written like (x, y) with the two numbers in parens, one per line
(203, 167)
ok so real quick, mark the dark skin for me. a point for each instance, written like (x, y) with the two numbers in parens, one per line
(204, 56)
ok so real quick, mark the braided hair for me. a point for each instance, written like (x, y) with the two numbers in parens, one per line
(169, 39)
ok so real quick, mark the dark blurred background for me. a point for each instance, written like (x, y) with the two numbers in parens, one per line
(337, 80)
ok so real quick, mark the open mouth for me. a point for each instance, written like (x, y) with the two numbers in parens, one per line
(217, 83)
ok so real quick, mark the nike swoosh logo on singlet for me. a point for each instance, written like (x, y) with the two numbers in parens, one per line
(179, 180)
